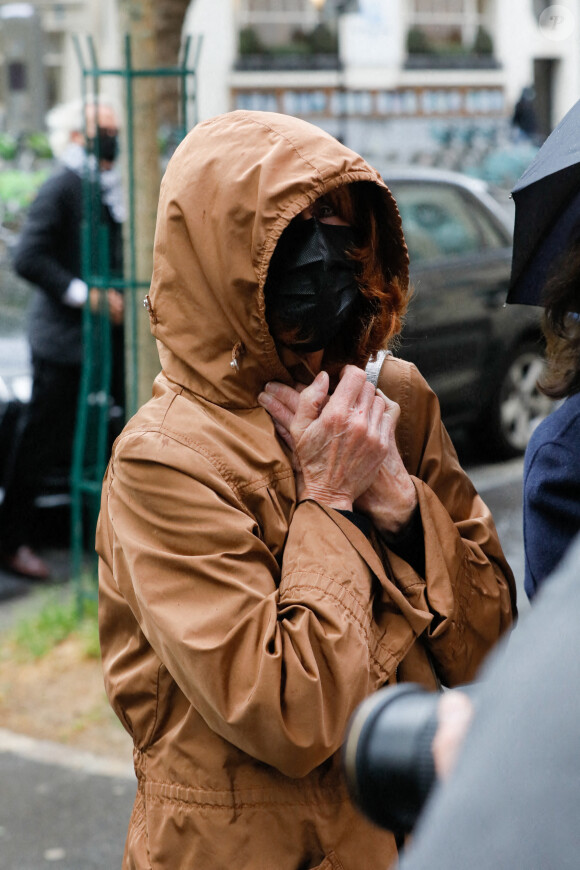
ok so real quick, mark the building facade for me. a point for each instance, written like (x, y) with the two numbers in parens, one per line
(392, 78)
(39, 63)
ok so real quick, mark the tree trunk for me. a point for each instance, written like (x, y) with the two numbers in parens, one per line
(169, 18)
(154, 28)
(137, 20)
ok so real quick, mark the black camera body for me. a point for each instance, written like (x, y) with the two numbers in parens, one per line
(387, 755)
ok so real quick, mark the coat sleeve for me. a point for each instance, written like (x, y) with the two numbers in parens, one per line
(48, 221)
(467, 586)
(551, 512)
(275, 657)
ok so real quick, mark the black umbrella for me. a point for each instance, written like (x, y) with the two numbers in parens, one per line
(547, 200)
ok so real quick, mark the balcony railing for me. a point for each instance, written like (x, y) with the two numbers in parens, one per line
(426, 52)
(271, 62)
(452, 60)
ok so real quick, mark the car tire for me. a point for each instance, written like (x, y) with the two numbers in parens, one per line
(518, 405)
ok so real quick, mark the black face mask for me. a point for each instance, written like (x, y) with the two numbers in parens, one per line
(107, 145)
(311, 289)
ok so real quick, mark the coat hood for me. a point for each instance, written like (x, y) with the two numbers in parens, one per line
(230, 189)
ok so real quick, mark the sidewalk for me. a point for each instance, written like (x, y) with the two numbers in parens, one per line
(20, 597)
(59, 806)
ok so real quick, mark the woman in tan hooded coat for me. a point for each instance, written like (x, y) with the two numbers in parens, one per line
(240, 626)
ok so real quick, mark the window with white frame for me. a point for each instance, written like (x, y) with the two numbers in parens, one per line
(435, 25)
(265, 25)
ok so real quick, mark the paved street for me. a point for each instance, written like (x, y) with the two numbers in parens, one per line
(61, 808)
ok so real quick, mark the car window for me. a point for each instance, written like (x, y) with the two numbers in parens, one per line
(439, 221)
(505, 201)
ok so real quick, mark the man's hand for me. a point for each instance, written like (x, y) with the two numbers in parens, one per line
(338, 442)
(115, 304)
(116, 307)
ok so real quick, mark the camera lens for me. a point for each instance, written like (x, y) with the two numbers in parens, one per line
(387, 754)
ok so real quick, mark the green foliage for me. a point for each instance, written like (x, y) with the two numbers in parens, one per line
(88, 632)
(8, 146)
(39, 145)
(17, 190)
(418, 42)
(36, 142)
(35, 636)
(250, 42)
(483, 43)
(321, 40)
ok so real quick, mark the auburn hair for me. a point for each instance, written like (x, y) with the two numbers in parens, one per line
(383, 268)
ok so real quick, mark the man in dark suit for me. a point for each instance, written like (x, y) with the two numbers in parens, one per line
(49, 255)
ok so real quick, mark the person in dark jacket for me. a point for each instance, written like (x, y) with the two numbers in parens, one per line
(524, 117)
(48, 255)
(552, 460)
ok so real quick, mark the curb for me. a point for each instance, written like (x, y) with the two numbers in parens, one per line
(59, 755)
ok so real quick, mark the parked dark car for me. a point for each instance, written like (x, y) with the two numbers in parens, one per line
(481, 357)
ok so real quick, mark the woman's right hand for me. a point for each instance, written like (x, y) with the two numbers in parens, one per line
(339, 442)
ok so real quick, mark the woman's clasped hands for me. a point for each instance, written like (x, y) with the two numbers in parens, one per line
(343, 446)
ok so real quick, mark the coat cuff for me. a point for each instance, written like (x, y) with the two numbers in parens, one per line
(76, 294)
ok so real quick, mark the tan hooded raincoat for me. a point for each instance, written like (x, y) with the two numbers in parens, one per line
(239, 630)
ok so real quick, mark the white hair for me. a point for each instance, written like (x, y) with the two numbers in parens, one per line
(68, 118)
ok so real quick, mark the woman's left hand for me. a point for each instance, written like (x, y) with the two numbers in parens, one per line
(391, 499)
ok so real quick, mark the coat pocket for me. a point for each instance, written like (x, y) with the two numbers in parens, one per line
(331, 862)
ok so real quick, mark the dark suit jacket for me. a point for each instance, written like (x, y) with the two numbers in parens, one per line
(48, 254)
(551, 492)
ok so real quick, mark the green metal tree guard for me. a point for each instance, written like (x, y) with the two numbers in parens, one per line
(92, 441)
